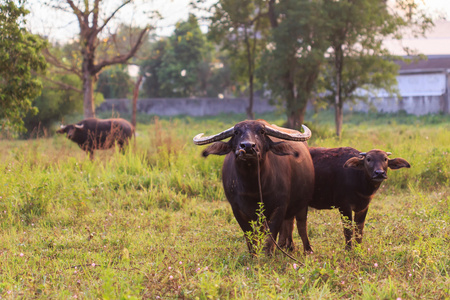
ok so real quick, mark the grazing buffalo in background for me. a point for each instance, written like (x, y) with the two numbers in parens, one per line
(286, 176)
(347, 179)
(96, 134)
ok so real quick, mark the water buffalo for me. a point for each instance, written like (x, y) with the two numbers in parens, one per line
(347, 179)
(95, 134)
(286, 176)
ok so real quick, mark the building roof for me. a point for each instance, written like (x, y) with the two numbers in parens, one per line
(433, 63)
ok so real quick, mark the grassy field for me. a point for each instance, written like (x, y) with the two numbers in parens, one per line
(154, 223)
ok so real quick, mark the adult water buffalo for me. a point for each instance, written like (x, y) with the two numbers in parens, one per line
(347, 179)
(286, 176)
(96, 134)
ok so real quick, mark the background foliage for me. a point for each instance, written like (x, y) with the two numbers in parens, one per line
(292, 51)
(20, 57)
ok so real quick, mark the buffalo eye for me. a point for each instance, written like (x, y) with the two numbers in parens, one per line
(385, 159)
(368, 159)
(237, 132)
(262, 131)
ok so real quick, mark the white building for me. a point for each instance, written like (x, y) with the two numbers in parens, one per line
(423, 86)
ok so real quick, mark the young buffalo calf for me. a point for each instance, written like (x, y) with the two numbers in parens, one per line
(347, 179)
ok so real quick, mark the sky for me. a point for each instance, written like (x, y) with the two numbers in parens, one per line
(62, 27)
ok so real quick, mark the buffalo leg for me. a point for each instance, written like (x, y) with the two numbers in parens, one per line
(275, 224)
(346, 216)
(360, 218)
(303, 229)
(121, 145)
(286, 240)
(244, 222)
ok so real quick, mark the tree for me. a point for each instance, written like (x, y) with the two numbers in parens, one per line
(357, 57)
(88, 15)
(114, 82)
(295, 54)
(220, 80)
(179, 74)
(53, 104)
(150, 68)
(241, 27)
(20, 56)
(212, 72)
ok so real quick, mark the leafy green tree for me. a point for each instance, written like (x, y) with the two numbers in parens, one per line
(240, 27)
(213, 73)
(295, 54)
(151, 67)
(53, 104)
(114, 83)
(179, 72)
(220, 77)
(20, 57)
(357, 58)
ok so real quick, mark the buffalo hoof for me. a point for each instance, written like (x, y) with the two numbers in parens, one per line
(287, 245)
(308, 250)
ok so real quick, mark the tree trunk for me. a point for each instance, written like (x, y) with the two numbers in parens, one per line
(249, 109)
(338, 105)
(88, 95)
(135, 97)
(296, 118)
(250, 59)
(339, 116)
(272, 16)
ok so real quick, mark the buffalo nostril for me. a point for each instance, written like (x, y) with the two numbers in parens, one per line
(380, 173)
(247, 146)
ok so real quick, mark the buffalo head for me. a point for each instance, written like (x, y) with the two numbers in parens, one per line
(72, 130)
(375, 164)
(250, 139)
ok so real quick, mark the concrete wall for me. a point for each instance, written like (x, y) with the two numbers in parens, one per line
(187, 106)
(418, 105)
(421, 92)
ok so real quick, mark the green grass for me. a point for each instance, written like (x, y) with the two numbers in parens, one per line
(154, 223)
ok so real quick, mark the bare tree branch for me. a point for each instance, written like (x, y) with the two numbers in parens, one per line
(63, 85)
(77, 12)
(124, 57)
(53, 60)
(95, 12)
(112, 15)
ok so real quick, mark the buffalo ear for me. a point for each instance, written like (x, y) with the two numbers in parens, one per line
(398, 163)
(218, 148)
(282, 148)
(355, 163)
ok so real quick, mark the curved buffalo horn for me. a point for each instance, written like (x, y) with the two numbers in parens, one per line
(79, 126)
(388, 153)
(289, 134)
(200, 140)
(363, 153)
